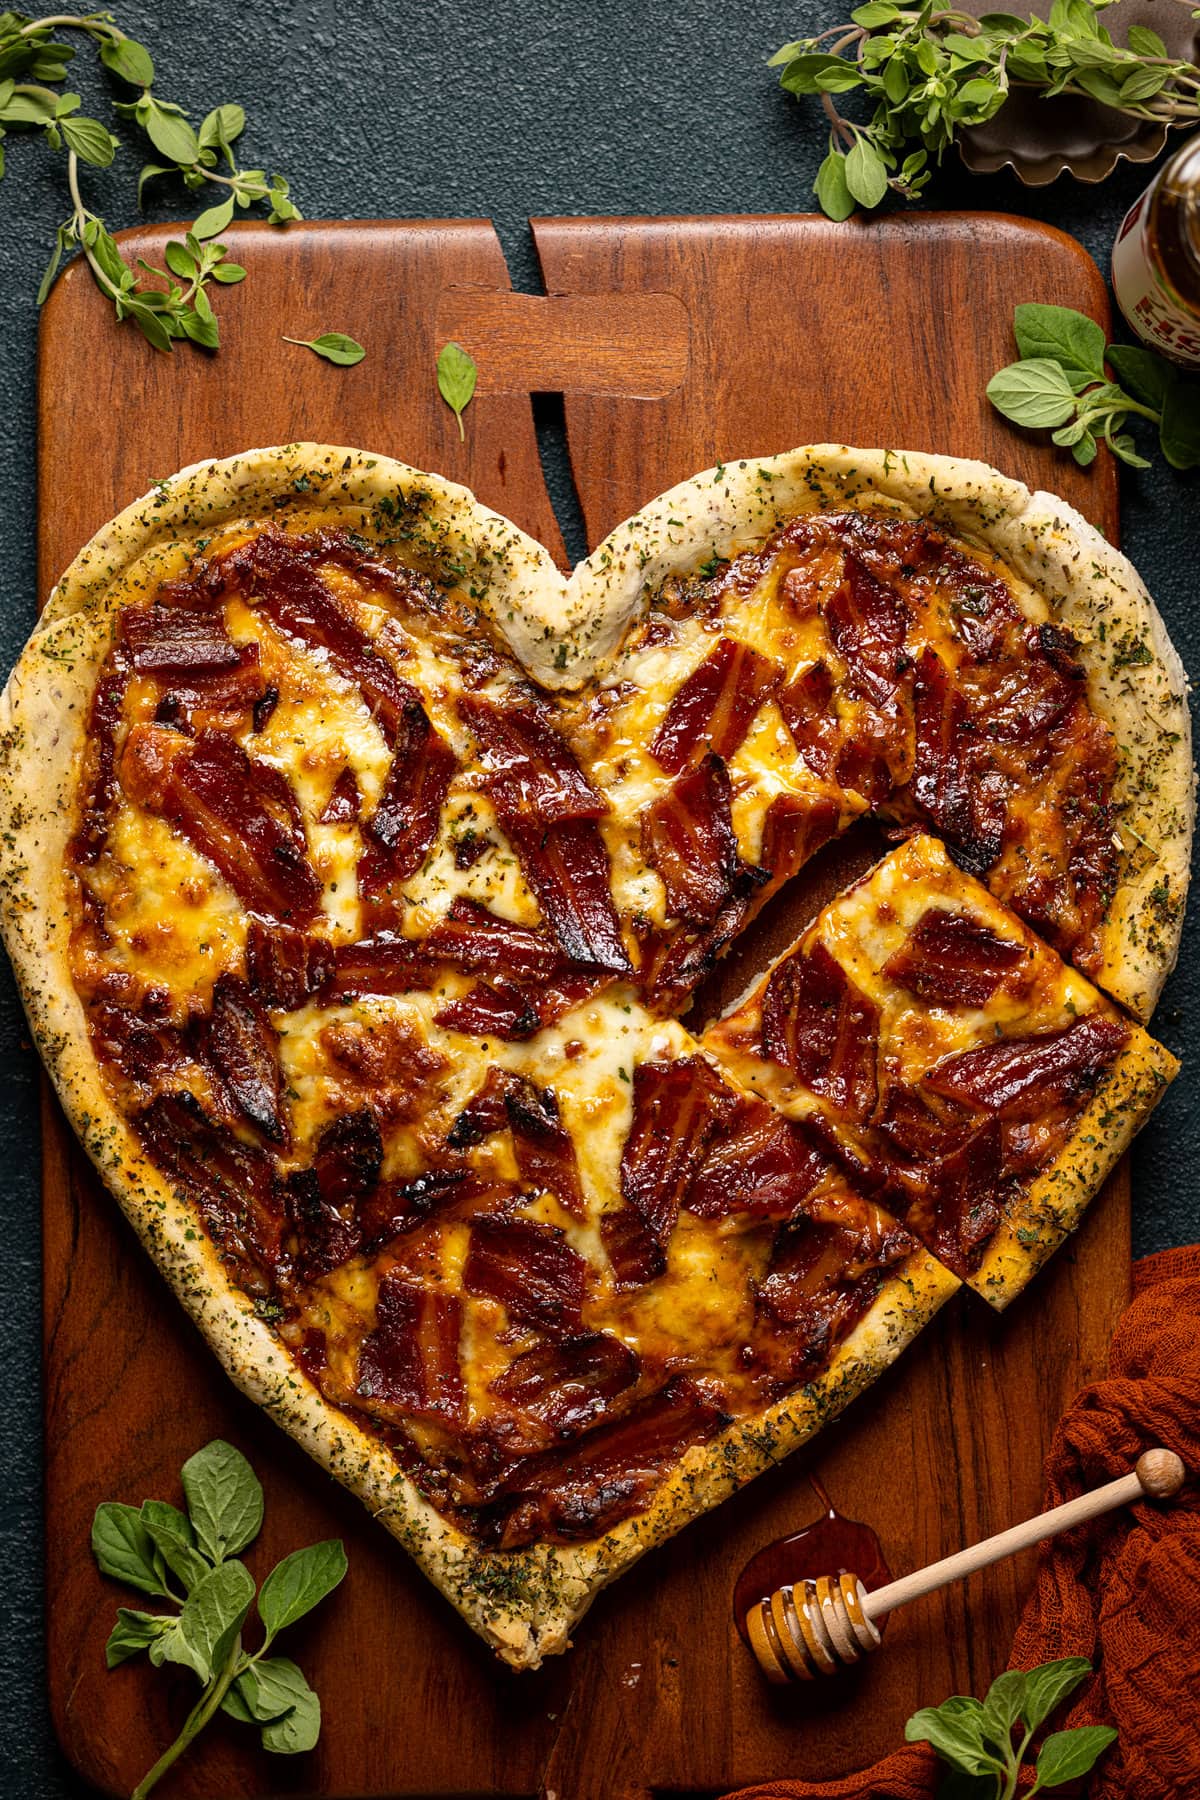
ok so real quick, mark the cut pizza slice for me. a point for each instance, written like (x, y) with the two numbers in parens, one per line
(965, 1074)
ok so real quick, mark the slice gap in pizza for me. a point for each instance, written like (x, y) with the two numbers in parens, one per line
(981, 1087)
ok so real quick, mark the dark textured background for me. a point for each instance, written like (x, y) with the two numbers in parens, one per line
(499, 109)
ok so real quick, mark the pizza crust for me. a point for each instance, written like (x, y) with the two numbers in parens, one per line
(522, 1603)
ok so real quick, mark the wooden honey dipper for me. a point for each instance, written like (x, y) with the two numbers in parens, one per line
(818, 1627)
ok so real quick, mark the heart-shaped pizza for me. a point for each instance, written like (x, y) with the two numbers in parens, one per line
(359, 869)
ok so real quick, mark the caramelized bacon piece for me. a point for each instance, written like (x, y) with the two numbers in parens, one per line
(715, 707)
(568, 869)
(532, 770)
(232, 1184)
(542, 1144)
(758, 1165)
(239, 814)
(966, 807)
(498, 1010)
(387, 963)
(584, 1490)
(474, 938)
(953, 960)
(285, 967)
(531, 1270)
(688, 837)
(867, 624)
(142, 1049)
(1026, 1074)
(677, 1108)
(824, 1274)
(410, 1361)
(324, 1199)
(243, 1045)
(1018, 698)
(953, 1202)
(810, 715)
(278, 575)
(100, 785)
(794, 830)
(569, 1386)
(405, 823)
(817, 1023)
(173, 641)
(342, 806)
(395, 1209)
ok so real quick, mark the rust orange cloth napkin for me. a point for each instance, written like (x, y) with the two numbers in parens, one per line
(1123, 1591)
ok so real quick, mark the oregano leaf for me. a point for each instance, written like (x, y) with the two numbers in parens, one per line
(456, 378)
(334, 347)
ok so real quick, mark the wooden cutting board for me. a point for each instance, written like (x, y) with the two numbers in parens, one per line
(674, 342)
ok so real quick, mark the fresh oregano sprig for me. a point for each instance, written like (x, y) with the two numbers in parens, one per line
(190, 1560)
(1062, 384)
(31, 60)
(933, 71)
(976, 1737)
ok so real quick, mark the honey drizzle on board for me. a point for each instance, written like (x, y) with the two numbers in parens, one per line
(831, 1545)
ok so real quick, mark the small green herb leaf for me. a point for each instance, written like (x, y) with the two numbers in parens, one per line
(89, 140)
(334, 346)
(1061, 335)
(172, 1536)
(212, 1616)
(1142, 373)
(1003, 1706)
(275, 1695)
(133, 1633)
(169, 132)
(1066, 1755)
(131, 61)
(866, 173)
(1035, 392)
(955, 1729)
(124, 1549)
(456, 378)
(834, 197)
(224, 1496)
(214, 221)
(296, 1584)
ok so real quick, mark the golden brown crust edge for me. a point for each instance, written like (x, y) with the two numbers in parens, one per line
(523, 1603)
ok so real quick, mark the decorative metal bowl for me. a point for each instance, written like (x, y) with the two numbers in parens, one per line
(1040, 139)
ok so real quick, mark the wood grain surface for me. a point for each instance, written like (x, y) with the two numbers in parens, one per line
(674, 342)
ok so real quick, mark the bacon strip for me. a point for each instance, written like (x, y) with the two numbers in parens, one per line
(286, 967)
(587, 1488)
(568, 869)
(758, 1167)
(716, 705)
(324, 1200)
(688, 838)
(405, 823)
(182, 641)
(101, 785)
(677, 1107)
(387, 963)
(232, 1184)
(344, 802)
(531, 1270)
(569, 1386)
(474, 938)
(1026, 1074)
(278, 575)
(238, 813)
(141, 1048)
(969, 812)
(532, 771)
(810, 715)
(953, 960)
(244, 1047)
(544, 1148)
(867, 625)
(817, 1023)
(499, 1010)
(410, 1361)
